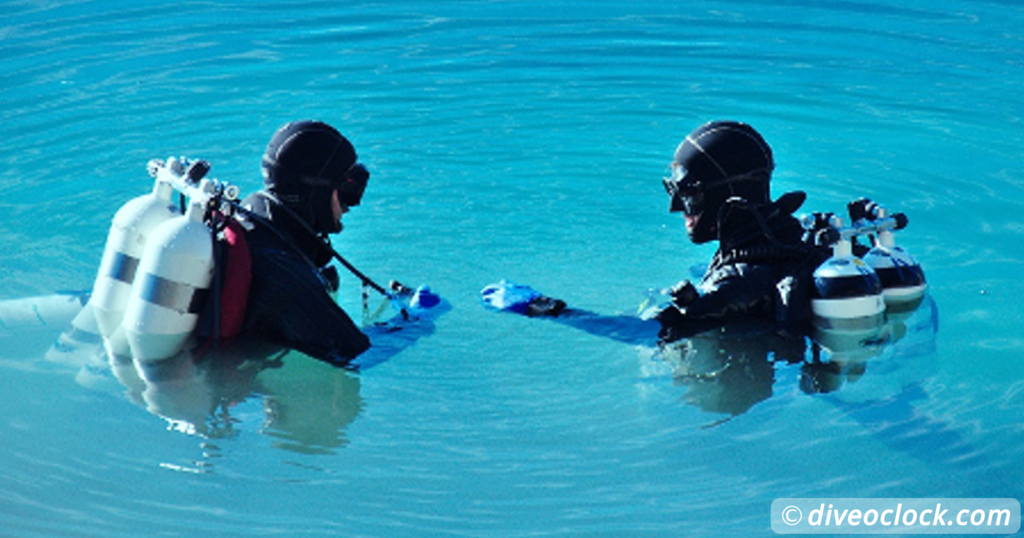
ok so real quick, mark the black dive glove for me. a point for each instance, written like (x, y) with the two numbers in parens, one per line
(544, 306)
(683, 293)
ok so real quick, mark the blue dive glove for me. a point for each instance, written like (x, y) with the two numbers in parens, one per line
(520, 299)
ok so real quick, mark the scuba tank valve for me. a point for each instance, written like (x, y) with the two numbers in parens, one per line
(846, 290)
(901, 275)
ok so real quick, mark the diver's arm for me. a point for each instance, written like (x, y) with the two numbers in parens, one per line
(291, 307)
(737, 290)
(729, 298)
(390, 340)
(622, 328)
(520, 299)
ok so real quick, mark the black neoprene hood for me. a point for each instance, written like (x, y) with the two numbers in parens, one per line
(306, 153)
(720, 150)
(304, 163)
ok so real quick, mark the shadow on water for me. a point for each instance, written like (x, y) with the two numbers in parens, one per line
(306, 404)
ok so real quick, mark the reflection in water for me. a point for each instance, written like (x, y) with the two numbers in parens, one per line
(897, 417)
(730, 369)
(307, 404)
(841, 356)
(59, 327)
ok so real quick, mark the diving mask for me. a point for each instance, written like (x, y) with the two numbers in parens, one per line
(688, 193)
(685, 193)
(352, 185)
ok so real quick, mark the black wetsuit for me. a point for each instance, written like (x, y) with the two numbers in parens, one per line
(762, 270)
(289, 301)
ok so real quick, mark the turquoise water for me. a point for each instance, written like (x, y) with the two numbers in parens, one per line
(520, 140)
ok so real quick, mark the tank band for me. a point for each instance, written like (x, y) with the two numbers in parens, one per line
(177, 296)
(900, 276)
(122, 267)
(843, 287)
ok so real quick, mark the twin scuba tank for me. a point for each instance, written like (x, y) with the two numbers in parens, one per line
(902, 278)
(853, 291)
(158, 263)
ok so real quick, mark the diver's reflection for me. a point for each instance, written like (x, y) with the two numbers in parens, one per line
(307, 404)
(840, 354)
(730, 369)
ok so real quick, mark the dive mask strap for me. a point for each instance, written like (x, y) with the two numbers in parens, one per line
(687, 193)
(681, 181)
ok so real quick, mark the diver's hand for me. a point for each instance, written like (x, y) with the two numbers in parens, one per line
(520, 299)
(670, 318)
(683, 293)
(543, 305)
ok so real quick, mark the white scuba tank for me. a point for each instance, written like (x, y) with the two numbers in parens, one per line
(902, 277)
(131, 227)
(169, 292)
(846, 289)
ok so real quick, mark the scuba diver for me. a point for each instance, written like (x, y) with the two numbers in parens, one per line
(185, 277)
(719, 182)
(181, 282)
(312, 178)
(758, 305)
